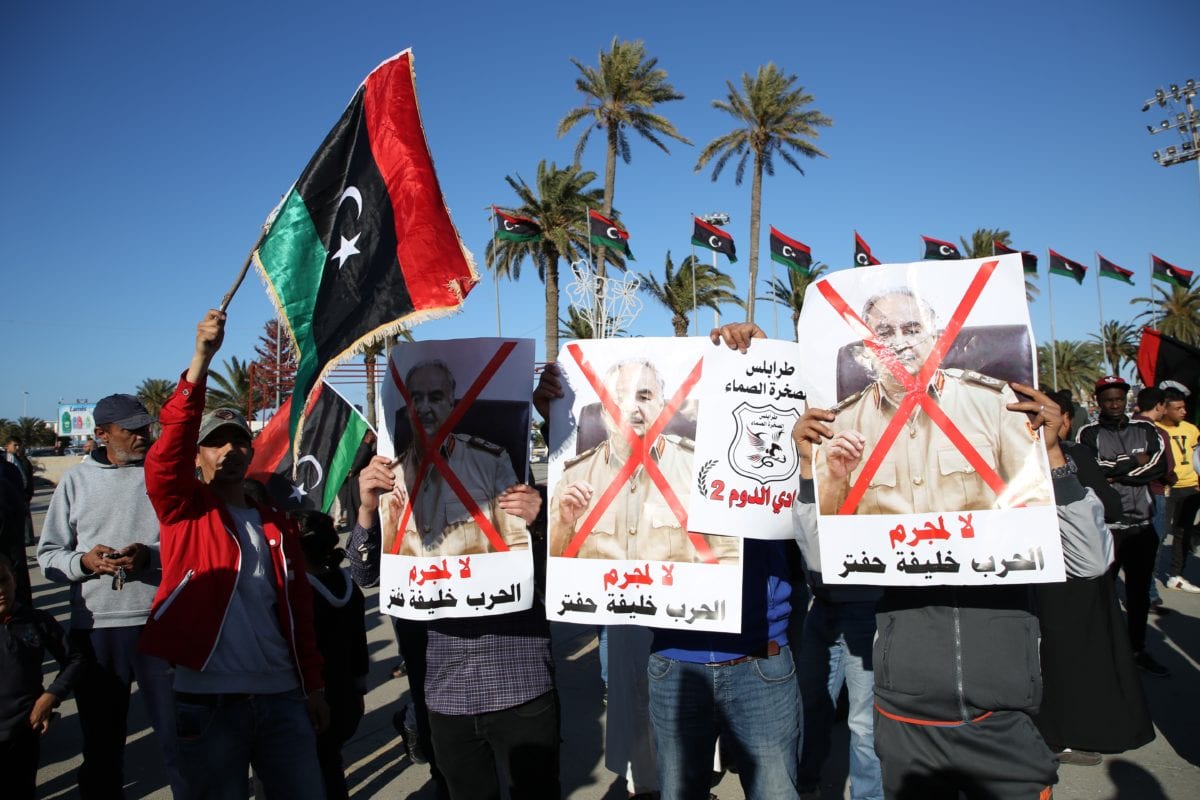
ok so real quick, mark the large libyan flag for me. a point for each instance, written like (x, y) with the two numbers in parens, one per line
(363, 245)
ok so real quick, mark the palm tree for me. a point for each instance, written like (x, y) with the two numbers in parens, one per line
(576, 326)
(790, 295)
(557, 202)
(1175, 312)
(713, 289)
(154, 393)
(370, 353)
(34, 432)
(620, 95)
(1118, 342)
(1078, 364)
(232, 389)
(980, 246)
(771, 109)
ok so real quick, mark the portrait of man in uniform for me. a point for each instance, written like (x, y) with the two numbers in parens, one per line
(924, 469)
(440, 523)
(639, 523)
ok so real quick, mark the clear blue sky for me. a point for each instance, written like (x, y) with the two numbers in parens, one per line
(145, 142)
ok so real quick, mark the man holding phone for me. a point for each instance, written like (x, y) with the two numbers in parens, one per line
(101, 537)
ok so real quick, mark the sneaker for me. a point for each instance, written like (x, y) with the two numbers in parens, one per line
(1080, 758)
(1183, 584)
(1146, 663)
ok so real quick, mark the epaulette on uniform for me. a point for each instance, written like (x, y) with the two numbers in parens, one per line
(683, 442)
(851, 400)
(570, 462)
(977, 378)
(484, 444)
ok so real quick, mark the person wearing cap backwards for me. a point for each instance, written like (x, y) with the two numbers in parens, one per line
(234, 611)
(1130, 452)
(100, 536)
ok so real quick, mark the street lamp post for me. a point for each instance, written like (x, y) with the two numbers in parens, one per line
(1186, 122)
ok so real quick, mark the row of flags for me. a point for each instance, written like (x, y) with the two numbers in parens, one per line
(796, 255)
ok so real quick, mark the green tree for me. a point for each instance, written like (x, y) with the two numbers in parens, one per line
(154, 393)
(771, 112)
(34, 432)
(232, 389)
(620, 95)
(1078, 366)
(577, 326)
(980, 245)
(712, 289)
(557, 202)
(789, 293)
(371, 355)
(1118, 341)
(1174, 311)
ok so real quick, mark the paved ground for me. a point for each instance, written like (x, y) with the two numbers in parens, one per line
(1168, 767)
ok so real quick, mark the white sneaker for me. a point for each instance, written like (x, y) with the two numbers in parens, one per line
(1181, 583)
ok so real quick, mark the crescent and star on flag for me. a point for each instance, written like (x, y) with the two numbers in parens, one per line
(349, 247)
(299, 492)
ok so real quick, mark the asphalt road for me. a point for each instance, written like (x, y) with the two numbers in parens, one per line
(1168, 767)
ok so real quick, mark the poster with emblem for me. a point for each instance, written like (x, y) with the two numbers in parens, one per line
(928, 479)
(622, 472)
(746, 464)
(455, 420)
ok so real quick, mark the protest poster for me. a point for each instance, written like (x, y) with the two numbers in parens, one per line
(949, 487)
(455, 420)
(746, 463)
(622, 468)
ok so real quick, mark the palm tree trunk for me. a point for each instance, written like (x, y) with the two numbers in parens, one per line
(551, 304)
(795, 322)
(755, 223)
(610, 187)
(370, 400)
(680, 322)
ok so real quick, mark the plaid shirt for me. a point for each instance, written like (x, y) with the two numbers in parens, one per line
(474, 665)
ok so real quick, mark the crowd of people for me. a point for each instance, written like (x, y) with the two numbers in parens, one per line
(246, 635)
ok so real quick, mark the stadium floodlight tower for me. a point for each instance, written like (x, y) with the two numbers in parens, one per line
(1186, 122)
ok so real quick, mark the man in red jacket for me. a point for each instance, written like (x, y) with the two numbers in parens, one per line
(233, 612)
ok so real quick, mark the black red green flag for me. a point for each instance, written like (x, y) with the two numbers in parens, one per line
(937, 250)
(862, 253)
(1028, 259)
(606, 233)
(1165, 358)
(791, 253)
(363, 245)
(713, 238)
(516, 229)
(333, 430)
(1110, 270)
(1061, 265)
(1166, 271)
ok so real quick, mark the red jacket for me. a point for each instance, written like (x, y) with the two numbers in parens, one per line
(201, 555)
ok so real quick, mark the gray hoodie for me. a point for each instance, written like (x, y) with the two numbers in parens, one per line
(99, 503)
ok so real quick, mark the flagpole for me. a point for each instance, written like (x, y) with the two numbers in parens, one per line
(695, 308)
(716, 308)
(774, 280)
(597, 298)
(492, 267)
(245, 268)
(1053, 344)
(1100, 308)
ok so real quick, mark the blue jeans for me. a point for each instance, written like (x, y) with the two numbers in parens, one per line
(272, 732)
(753, 706)
(836, 649)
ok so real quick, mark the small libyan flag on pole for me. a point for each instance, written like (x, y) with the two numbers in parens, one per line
(713, 238)
(862, 253)
(1110, 270)
(516, 229)
(1028, 259)
(1165, 271)
(937, 250)
(791, 253)
(1061, 265)
(606, 233)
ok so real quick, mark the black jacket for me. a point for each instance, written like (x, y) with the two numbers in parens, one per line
(24, 638)
(1117, 446)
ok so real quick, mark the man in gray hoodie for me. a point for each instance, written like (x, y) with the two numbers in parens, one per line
(101, 537)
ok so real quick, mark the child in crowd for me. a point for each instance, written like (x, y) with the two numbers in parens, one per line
(25, 707)
(339, 619)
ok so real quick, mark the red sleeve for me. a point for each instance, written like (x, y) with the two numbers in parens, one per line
(171, 462)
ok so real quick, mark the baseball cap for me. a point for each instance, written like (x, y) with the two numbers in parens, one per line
(1110, 381)
(124, 410)
(219, 418)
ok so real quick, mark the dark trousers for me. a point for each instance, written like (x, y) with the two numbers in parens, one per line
(1180, 524)
(523, 739)
(102, 697)
(19, 763)
(1135, 552)
(345, 712)
(412, 638)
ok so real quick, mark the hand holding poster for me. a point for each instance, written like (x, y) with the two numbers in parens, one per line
(928, 478)
(455, 537)
(622, 470)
